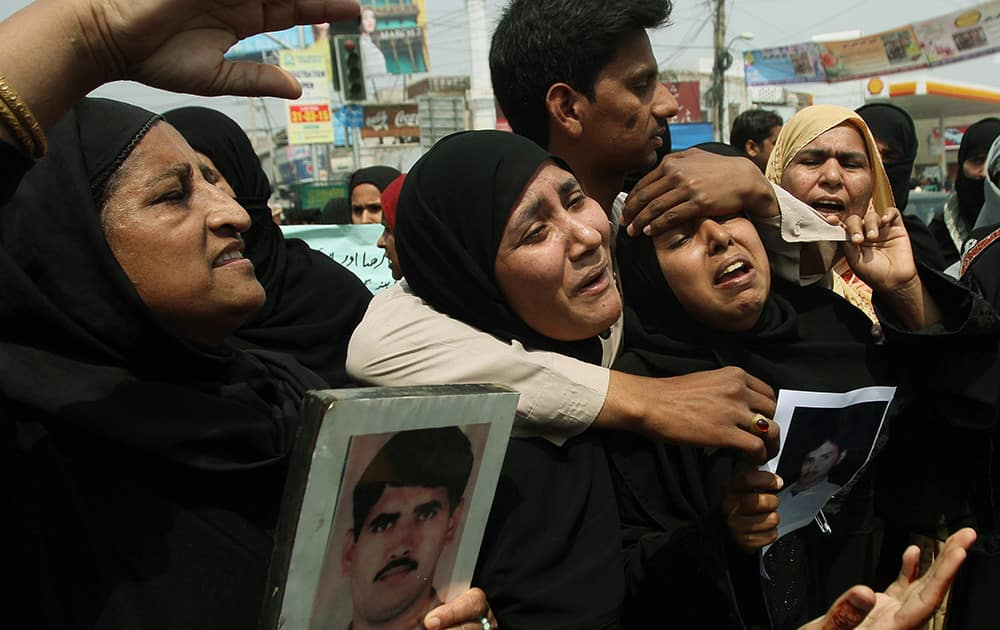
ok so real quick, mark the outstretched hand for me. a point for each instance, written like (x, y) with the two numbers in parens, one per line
(908, 602)
(179, 44)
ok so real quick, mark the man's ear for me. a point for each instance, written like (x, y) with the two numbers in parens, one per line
(347, 553)
(843, 454)
(562, 103)
(453, 519)
(751, 148)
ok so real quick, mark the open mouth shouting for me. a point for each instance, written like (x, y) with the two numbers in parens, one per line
(828, 206)
(735, 273)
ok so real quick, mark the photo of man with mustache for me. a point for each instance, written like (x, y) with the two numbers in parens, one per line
(406, 507)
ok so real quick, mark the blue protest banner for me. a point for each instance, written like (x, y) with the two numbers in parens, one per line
(353, 246)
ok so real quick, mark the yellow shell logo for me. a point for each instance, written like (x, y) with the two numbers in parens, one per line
(875, 86)
(748, 58)
(967, 19)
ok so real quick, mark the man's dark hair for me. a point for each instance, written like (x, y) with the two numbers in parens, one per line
(429, 458)
(753, 124)
(538, 43)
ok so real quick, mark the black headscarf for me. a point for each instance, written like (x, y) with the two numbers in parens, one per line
(894, 126)
(313, 303)
(456, 201)
(688, 345)
(148, 469)
(978, 139)
(452, 211)
(378, 176)
(806, 338)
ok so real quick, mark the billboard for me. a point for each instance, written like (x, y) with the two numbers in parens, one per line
(309, 118)
(393, 37)
(688, 97)
(950, 38)
(890, 51)
(390, 121)
(961, 35)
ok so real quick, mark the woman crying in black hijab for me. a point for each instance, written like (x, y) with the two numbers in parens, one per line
(705, 298)
(146, 455)
(498, 234)
(313, 303)
(964, 204)
(896, 137)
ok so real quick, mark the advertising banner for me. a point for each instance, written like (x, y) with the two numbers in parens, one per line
(961, 35)
(390, 121)
(688, 95)
(309, 117)
(798, 63)
(393, 37)
(882, 53)
(954, 37)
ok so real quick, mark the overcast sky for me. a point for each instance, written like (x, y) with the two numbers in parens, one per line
(686, 44)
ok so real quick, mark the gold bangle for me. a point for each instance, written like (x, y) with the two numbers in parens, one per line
(38, 145)
(23, 137)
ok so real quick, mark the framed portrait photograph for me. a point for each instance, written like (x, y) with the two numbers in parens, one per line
(388, 495)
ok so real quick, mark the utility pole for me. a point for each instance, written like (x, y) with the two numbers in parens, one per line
(718, 69)
(480, 88)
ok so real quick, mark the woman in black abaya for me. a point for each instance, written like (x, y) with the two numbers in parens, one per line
(897, 141)
(313, 304)
(672, 497)
(146, 456)
(963, 205)
(550, 556)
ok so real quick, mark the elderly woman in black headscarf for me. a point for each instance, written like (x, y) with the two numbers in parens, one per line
(495, 232)
(896, 137)
(364, 191)
(963, 205)
(145, 456)
(149, 453)
(312, 303)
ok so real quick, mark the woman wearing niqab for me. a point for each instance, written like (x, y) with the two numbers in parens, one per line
(145, 470)
(973, 604)
(893, 127)
(963, 205)
(313, 303)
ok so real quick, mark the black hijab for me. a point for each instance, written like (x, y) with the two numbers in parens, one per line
(978, 139)
(378, 176)
(456, 201)
(149, 469)
(894, 126)
(452, 211)
(806, 338)
(313, 303)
